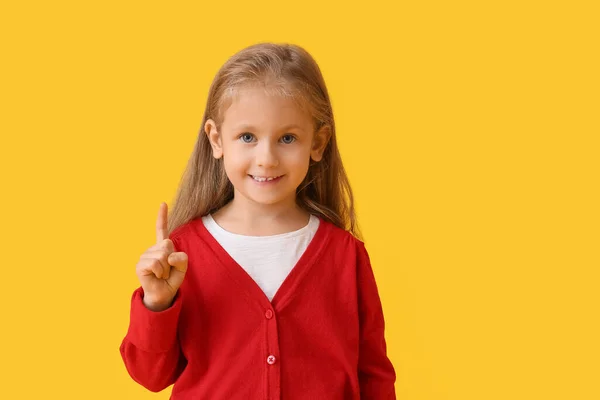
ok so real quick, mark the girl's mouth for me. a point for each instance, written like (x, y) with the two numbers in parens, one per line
(266, 179)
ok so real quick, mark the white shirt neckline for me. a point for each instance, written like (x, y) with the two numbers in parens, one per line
(313, 221)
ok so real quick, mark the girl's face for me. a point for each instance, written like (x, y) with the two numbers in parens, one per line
(263, 137)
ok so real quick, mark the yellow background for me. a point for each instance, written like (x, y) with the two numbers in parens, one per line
(470, 135)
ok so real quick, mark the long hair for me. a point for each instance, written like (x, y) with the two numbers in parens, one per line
(291, 71)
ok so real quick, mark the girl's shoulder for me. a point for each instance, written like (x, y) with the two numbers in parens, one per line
(340, 237)
(188, 230)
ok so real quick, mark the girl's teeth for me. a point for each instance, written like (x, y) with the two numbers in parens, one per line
(263, 179)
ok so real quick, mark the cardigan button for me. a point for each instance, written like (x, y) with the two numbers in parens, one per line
(271, 359)
(269, 314)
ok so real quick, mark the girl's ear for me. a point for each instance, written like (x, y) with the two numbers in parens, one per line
(214, 137)
(320, 140)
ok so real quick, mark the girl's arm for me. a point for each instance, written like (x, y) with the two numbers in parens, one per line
(375, 371)
(151, 350)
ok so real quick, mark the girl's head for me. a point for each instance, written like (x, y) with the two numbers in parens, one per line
(268, 114)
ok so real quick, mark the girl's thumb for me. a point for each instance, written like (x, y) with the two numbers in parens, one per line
(179, 261)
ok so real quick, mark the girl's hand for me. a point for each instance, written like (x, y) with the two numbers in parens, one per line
(161, 270)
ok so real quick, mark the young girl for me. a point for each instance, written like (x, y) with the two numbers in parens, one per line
(259, 286)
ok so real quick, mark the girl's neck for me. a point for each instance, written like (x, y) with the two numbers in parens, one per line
(253, 219)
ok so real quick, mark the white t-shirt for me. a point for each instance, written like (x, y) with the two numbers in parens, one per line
(267, 259)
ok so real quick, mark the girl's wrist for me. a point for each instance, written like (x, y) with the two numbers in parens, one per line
(156, 306)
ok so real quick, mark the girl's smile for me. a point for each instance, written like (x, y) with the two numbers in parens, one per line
(266, 180)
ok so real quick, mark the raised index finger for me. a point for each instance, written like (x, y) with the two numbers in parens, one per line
(161, 223)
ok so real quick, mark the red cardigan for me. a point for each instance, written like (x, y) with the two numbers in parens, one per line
(321, 337)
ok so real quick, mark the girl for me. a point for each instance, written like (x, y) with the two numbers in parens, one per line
(279, 300)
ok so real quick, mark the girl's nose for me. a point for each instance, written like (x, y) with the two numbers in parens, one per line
(266, 155)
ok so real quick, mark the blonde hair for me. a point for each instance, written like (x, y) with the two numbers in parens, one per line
(291, 71)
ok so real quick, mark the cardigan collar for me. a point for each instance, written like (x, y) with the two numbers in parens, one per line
(291, 284)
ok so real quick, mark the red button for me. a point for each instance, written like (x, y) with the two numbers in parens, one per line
(269, 314)
(271, 359)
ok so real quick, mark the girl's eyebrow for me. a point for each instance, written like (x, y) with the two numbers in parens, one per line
(247, 127)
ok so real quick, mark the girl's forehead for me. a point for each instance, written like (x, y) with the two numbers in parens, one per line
(255, 102)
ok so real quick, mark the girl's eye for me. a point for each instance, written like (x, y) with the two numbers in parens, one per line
(246, 137)
(290, 138)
